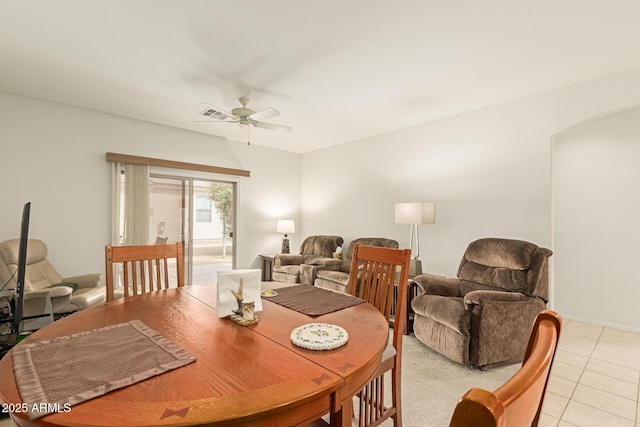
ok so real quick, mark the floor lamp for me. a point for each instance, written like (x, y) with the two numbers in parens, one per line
(285, 226)
(415, 214)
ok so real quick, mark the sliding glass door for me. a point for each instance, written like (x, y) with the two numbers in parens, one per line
(200, 214)
(157, 201)
(212, 240)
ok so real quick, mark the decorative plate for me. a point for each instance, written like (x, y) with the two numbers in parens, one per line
(319, 336)
(268, 293)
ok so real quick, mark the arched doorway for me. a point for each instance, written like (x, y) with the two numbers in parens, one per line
(596, 219)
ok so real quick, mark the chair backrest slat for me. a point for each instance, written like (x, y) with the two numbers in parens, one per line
(143, 278)
(145, 266)
(159, 265)
(134, 277)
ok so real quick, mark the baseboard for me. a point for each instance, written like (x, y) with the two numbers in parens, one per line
(599, 323)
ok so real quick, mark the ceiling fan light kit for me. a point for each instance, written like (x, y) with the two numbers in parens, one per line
(244, 116)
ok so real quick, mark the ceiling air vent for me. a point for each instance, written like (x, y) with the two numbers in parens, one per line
(214, 114)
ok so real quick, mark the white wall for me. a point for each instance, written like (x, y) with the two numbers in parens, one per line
(488, 171)
(54, 156)
(597, 218)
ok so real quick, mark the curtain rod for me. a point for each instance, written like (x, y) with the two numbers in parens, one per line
(137, 160)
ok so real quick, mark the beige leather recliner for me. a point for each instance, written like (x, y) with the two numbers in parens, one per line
(67, 294)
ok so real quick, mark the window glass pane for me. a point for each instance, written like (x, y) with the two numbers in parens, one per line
(203, 209)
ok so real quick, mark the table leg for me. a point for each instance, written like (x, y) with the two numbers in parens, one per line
(411, 293)
(342, 418)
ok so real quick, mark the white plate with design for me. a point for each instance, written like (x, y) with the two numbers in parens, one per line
(319, 336)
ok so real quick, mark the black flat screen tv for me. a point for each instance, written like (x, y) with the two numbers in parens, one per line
(20, 272)
(17, 302)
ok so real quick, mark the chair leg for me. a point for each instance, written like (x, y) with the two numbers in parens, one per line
(371, 408)
(396, 394)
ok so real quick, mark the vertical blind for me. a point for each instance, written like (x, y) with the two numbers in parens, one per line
(133, 228)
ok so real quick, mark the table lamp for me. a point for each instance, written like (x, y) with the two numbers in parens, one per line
(415, 214)
(285, 226)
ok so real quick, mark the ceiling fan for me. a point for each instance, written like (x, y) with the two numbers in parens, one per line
(244, 116)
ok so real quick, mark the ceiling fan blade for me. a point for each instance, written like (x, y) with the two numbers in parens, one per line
(216, 113)
(265, 114)
(216, 121)
(271, 126)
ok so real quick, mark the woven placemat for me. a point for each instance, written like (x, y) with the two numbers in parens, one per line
(67, 370)
(313, 301)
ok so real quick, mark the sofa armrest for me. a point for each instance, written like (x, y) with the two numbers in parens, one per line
(324, 262)
(55, 291)
(486, 297)
(36, 295)
(37, 309)
(429, 284)
(287, 259)
(308, 272)
(312, 265)
(85, 280)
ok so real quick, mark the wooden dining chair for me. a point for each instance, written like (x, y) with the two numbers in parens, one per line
(145, 268)
(375, 272)
(518, 402)
(380, 276)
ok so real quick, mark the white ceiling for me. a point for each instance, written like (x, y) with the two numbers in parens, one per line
(337, 70)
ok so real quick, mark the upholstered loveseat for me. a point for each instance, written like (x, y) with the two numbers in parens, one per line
(314, 251)
(484, 316)
(336, 276)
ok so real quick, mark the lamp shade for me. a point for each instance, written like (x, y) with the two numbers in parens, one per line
(416, 213)
(285, 226)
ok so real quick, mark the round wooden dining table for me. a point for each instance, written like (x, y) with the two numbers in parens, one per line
(243, 375)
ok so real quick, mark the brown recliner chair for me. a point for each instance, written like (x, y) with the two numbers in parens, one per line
(336, 277)
(484, 316)
(314, 250)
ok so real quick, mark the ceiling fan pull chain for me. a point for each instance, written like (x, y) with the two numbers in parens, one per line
(248, 135)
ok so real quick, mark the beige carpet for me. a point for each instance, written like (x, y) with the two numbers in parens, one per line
(431, 385)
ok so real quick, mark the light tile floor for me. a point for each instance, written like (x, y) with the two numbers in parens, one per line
(595, 379)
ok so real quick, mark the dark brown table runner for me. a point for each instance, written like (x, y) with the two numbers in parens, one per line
(313, 301)
(56, 374)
